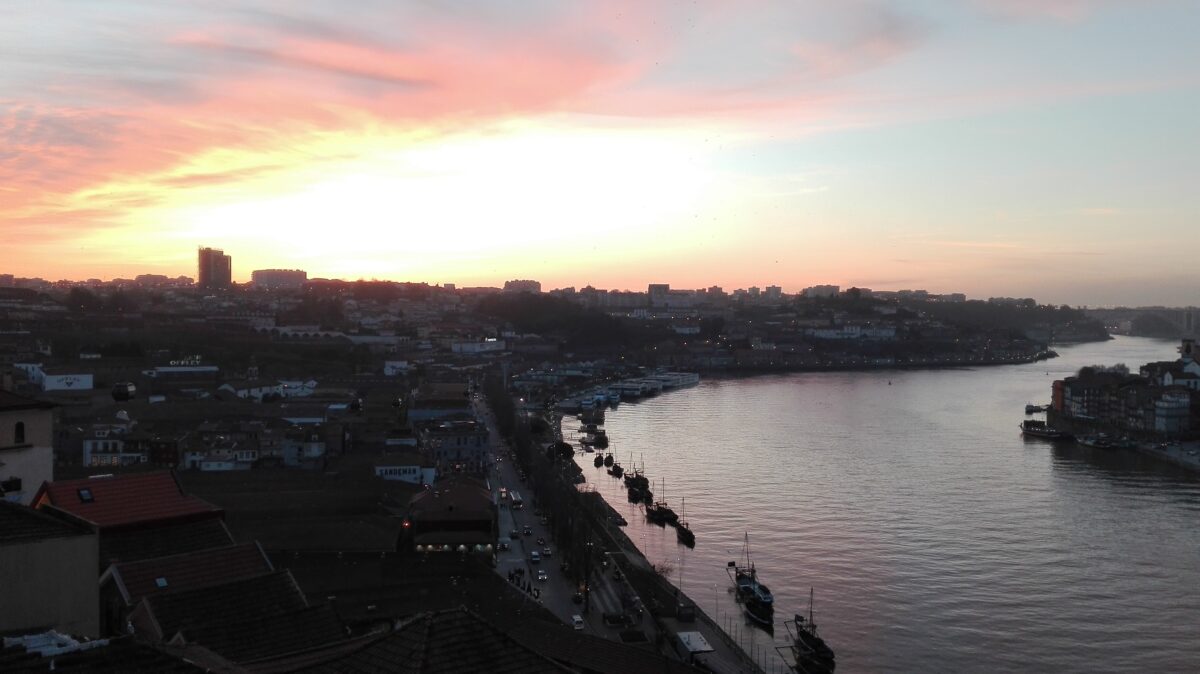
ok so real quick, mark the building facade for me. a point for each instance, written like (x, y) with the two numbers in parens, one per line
(279, 279)
(26, 446)
(215, 269)
(49, 567)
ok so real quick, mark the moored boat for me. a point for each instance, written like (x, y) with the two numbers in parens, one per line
(598, 461)
(1100, 441)
(745, 580)
(682, 531)
(1038, 429)
(760, 614)
(812, 655)
(659, 513)
(608, 460)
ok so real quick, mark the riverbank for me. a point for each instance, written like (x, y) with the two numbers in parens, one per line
(673, 609)
(1183, 454)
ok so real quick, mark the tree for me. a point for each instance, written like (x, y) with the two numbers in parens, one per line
(80, 300)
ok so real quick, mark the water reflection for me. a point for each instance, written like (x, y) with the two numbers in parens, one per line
(936, 536)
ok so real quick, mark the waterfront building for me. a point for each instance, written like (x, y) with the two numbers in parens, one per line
(215, 269)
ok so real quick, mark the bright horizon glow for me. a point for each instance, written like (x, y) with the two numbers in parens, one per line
(992, 147)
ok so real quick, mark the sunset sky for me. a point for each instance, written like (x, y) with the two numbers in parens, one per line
(1045, 148)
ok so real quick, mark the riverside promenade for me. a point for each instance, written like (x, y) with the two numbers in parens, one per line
(652, 589)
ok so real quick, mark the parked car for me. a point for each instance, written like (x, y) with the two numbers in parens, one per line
(541, 541)
(577, 622)
(577, 598)
(542, 575)
(546, 552)
(502, 546)
(514, 533)
(535, 557)
(528, 531)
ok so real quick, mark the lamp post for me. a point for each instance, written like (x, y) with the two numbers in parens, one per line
(587, 578)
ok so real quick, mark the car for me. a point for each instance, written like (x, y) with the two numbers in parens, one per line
(617, 619)
(513, 533)
(535, 557)
(528, 531)
(545, 521)
(542, 575)
(541, 541)
(546, 552)
(577, 598)
(502, 546)
(577, 622)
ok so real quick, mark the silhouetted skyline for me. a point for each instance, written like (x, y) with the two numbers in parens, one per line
(993, 147)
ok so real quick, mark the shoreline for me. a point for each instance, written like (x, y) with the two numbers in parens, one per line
(1184, 454)
(659, 590)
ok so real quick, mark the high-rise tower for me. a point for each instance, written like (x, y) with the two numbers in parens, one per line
(216, 269)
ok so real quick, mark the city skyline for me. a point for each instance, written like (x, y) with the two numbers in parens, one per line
(994, 147)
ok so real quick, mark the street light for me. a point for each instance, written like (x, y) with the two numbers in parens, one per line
(587, 578)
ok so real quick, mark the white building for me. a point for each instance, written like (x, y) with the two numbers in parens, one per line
(406, 469)
(392, 368)
(475, 348)
(56, 379)
(254, 389)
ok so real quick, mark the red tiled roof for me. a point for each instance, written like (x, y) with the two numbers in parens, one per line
(122, 500)
(189, 570)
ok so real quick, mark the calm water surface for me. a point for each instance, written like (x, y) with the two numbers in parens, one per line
(936, 537)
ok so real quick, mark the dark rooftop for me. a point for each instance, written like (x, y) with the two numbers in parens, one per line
(366, 587)
(10, 401)
(268, 636)
(445, 642)
(189, 570)
(129, 545)
(22, 524)
(272, 594)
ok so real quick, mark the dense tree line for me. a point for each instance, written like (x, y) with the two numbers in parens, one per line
(553, 316)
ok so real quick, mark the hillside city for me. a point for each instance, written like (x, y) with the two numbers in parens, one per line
(310, 475)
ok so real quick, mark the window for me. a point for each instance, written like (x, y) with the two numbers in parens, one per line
(85, 495)
(19, 433)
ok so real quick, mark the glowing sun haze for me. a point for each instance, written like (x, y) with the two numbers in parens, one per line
(994, 147)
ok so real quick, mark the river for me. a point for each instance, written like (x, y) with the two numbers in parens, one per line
(936, 537)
